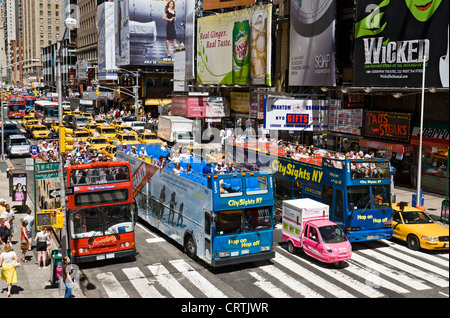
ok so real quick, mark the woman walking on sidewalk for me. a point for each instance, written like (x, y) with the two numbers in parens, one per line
(41, 247)
(9, 273)
(24, 240)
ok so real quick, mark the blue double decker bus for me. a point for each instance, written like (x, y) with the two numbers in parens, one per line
(223, 219)
(357, 191)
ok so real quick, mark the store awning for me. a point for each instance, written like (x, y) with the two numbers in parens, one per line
(157, 101)
(430, 142)
(380, 145)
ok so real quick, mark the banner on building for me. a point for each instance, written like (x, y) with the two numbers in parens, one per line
(392, 39)
(296, 114)
(312, 60)
(106, 45)
(235, 47)
(219, 4)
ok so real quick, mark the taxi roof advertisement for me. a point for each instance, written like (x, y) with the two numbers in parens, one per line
(393, 37)
(235, 47)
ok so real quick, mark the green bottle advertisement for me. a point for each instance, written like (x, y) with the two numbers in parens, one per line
(241, 53)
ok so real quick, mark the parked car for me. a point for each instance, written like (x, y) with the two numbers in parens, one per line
(418, 229)
(17, 145)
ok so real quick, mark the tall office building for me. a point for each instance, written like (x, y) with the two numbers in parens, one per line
(42, 26)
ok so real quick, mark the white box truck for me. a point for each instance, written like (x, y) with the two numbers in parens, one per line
(176, 129)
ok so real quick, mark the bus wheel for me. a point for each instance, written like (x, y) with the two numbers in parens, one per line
(190, 247)
(413, 242)
(291, 247)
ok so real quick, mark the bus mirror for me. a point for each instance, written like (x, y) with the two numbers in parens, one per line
(351, 208)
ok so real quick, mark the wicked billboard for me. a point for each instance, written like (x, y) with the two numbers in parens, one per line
(393, 38)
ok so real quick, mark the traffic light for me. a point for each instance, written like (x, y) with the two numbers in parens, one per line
(97, 92)
(91, 74)
(118, 91)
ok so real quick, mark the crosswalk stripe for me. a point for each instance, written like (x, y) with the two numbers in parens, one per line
(268, 287)
(143, 286)
(198, 280)
(155, 240)
(407, 268)
(168, 281)
(420, 254)
(291, 282)
(310, 276)
(340, 276)
(387, 270)
(112, 285)
(420, 263)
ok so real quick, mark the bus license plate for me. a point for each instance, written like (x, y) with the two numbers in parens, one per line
(100, 257)
(110, 255)
(372, 237)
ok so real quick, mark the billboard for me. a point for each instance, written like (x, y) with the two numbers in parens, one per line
(235, 47)
(146, 31)
(387, 125)
(392, 39)
(311, 43)
(218, 4)
(296, 114)
(106, 41)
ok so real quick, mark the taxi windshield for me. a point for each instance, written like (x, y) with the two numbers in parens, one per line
(416, 217)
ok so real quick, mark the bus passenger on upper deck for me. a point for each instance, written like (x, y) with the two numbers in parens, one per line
(121, 175)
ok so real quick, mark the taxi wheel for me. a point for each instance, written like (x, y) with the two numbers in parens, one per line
(413, 242)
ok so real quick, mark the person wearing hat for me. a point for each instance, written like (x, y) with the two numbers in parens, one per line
(133, 153)
(142, 153)
(2, 205)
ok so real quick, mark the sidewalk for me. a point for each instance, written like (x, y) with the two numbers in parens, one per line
(32, 282)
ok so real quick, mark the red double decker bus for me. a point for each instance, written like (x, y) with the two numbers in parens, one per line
(100, 218)
(16, 106)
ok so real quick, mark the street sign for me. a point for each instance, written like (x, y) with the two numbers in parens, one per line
(47, 167)
(55, 193)
(47, 175)
(34, 151)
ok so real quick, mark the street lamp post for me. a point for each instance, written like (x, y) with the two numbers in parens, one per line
(1, 97)
(135, 87)
(69, 24)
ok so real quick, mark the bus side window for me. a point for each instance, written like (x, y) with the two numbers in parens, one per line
(327, 195)
(339, 205)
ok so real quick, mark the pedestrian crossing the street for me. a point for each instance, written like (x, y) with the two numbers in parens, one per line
(389, 270)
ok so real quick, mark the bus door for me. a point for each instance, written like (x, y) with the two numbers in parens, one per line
(334, 198)
(209, 223)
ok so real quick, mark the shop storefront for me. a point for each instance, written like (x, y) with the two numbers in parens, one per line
(435, 144)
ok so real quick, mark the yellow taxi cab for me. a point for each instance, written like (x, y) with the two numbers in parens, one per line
(90, 128)
(66, 111)
(39, 131)
(106, 131)
(31, 112)
(77, 135)
(26, 118)
(109, 151)
(127, 138)
(418, 229)
(122, 127)
(100, 121)
(116, 122)
(55, 126)
(88, 115)
(98, 143)
(75, 113)
(30, 123)
(148, 138)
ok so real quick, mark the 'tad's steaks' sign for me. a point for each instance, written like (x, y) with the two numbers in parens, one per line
(386, 125)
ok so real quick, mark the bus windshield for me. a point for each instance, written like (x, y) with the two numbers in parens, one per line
(100, 175)
(240, 221)
(332, 234)
(51, 112)
(361, 197)
(99, 221)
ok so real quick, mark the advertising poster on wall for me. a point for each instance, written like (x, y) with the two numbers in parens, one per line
(312, 60)
(296, 114)
(392, 39)
(235, 47)
(106, 41)
(148, 30)
(218, 4)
